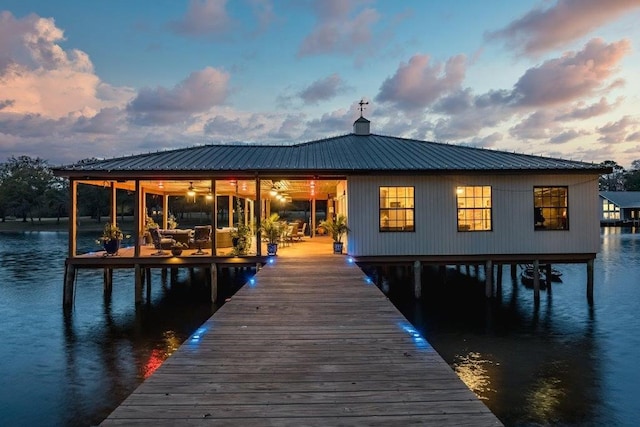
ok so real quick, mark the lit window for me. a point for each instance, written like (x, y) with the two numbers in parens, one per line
(397, 209)
(550, 208)
(474, 208)
(610, 210)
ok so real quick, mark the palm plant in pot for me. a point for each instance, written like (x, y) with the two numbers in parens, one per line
(270, 228)
(337, 229)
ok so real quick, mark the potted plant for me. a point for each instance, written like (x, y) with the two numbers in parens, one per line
(176, 248)
(149, 223)
(241, 239)
(111, 237)
(172, 223)
(337, 229)
(270, 228)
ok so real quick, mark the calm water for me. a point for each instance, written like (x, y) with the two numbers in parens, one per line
(562, 364)
(73, 371)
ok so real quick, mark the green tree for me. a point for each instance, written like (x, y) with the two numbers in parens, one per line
(23, 184)
(632, 177)
(57, 198)
(613, 181)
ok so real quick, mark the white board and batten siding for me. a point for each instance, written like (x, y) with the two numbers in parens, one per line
(436, 230)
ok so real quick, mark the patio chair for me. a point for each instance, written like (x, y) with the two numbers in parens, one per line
(201, 236)
(300, 234)
(160, 242)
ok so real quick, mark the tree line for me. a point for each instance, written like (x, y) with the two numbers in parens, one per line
(30, 191)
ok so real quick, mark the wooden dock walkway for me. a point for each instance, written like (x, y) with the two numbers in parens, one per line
(307, 342)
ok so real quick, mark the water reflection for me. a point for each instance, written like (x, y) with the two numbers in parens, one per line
(73, 368)
(530, 364)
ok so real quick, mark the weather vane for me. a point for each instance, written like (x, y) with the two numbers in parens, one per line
(362, 104)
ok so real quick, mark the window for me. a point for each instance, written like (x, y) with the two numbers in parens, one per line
(397, 209)
(610, 210)
(474, 208)
(550, 208)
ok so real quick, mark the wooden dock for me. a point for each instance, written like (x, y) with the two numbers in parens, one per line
(309, 341)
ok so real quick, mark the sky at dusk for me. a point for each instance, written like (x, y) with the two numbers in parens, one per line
(82, 79)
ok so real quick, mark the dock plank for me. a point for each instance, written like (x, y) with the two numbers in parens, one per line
(307, 342)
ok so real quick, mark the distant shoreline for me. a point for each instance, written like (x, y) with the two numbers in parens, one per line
(52, 224)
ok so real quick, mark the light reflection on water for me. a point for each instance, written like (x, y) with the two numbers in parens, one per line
(74, 370)
(564, 363)
(472, 370)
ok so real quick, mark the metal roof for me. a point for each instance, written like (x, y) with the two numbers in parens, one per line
(624, 199)
(344, 154)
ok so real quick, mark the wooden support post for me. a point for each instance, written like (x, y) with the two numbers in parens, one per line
(417, 278)
(548, 277)
(138, 284)
(214, 282)
(147, 274)
(499, 279)
(590, 281)
(488, 278)
(466, 269)
(536, 281)
(476, 271)
(514, 271)
(69, 282)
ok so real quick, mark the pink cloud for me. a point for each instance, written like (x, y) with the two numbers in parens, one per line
(38, 77)
(418, 84)
(197, 93)
(337, 30)
(567, 20)
(204, 18)
(574, 75)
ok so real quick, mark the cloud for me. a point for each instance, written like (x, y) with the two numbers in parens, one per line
(38, 77)
(322, 89)
(535, 126)
(6, 103)
(572, 76)
(582, 111)
(567, 136)
(329, 124)
(633, 137)
(197, 93)
(617, 132)
(263, 11)
(541, 30)
(109, 121)
(418, 84)
(487, 141)
(204, 18)
(336, 30)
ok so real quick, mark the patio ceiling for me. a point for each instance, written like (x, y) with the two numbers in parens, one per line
(294, 189)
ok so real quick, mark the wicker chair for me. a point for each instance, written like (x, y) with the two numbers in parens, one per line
(201, 236)
(160, 242)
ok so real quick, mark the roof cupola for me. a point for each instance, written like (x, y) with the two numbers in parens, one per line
(362, 126)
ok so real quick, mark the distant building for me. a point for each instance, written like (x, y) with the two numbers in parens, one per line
(620, 207)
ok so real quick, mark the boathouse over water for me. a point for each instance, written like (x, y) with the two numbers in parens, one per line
(407, 201)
